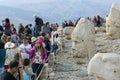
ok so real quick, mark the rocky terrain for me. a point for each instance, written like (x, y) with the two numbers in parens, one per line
(69, 67)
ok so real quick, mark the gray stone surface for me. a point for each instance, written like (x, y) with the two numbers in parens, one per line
(66, 67)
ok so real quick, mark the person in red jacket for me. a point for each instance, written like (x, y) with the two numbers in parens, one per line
(70, 23)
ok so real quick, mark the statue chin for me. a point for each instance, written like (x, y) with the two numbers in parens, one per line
(99, 78)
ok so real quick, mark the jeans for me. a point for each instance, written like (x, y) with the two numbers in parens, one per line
(2, 57)
(1, 71)
(54, 49)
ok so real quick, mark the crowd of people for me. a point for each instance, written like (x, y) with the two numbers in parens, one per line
(24, 52)
(97, 20)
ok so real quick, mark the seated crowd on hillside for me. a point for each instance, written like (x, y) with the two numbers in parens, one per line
(27, 49)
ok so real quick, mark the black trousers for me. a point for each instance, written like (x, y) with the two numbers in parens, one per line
(48, 53)
(37, 68)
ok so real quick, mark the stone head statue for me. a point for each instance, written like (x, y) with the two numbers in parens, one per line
(105, 66)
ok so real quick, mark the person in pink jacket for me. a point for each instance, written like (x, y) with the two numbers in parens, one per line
(38, 56)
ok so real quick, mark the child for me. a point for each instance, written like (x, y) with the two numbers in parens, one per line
(27, 70)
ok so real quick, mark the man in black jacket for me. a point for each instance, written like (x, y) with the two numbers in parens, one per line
(13, 67)
(38, 24)
(47, 43)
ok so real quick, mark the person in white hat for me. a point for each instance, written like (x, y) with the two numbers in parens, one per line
(11, 51)
(33, 40)
(9, 45)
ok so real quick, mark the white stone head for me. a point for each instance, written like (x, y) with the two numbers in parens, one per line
(105, 66)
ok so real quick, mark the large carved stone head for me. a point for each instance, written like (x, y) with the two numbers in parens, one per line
(105, 66)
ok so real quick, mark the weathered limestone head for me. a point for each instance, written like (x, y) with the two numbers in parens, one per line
(59, 29)
(105, 66)
(83, 39)
(82, 29)
(113, 22)
(67, 31)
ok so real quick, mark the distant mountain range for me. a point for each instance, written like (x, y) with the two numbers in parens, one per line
(16, 15)
(52, 10)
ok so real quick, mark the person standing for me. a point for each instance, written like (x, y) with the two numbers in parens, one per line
(95, 20)
(47, 43)
(56, 42)
(70, 23)
(9, 74)
(39, 56)
(11, 51)
(27, 30)
(38, 24)
(2, 53)
(20, 29)
(7, 26)
(1, 32)
(23, 47)
(31, 28)
(13, 29)
(98, 21)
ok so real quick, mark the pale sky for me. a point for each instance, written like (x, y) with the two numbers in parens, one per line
(62, 9)
(40, 1)
(16, 3)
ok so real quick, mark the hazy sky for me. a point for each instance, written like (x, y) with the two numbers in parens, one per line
(19, 2)
(58, 10)
(35, 5)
